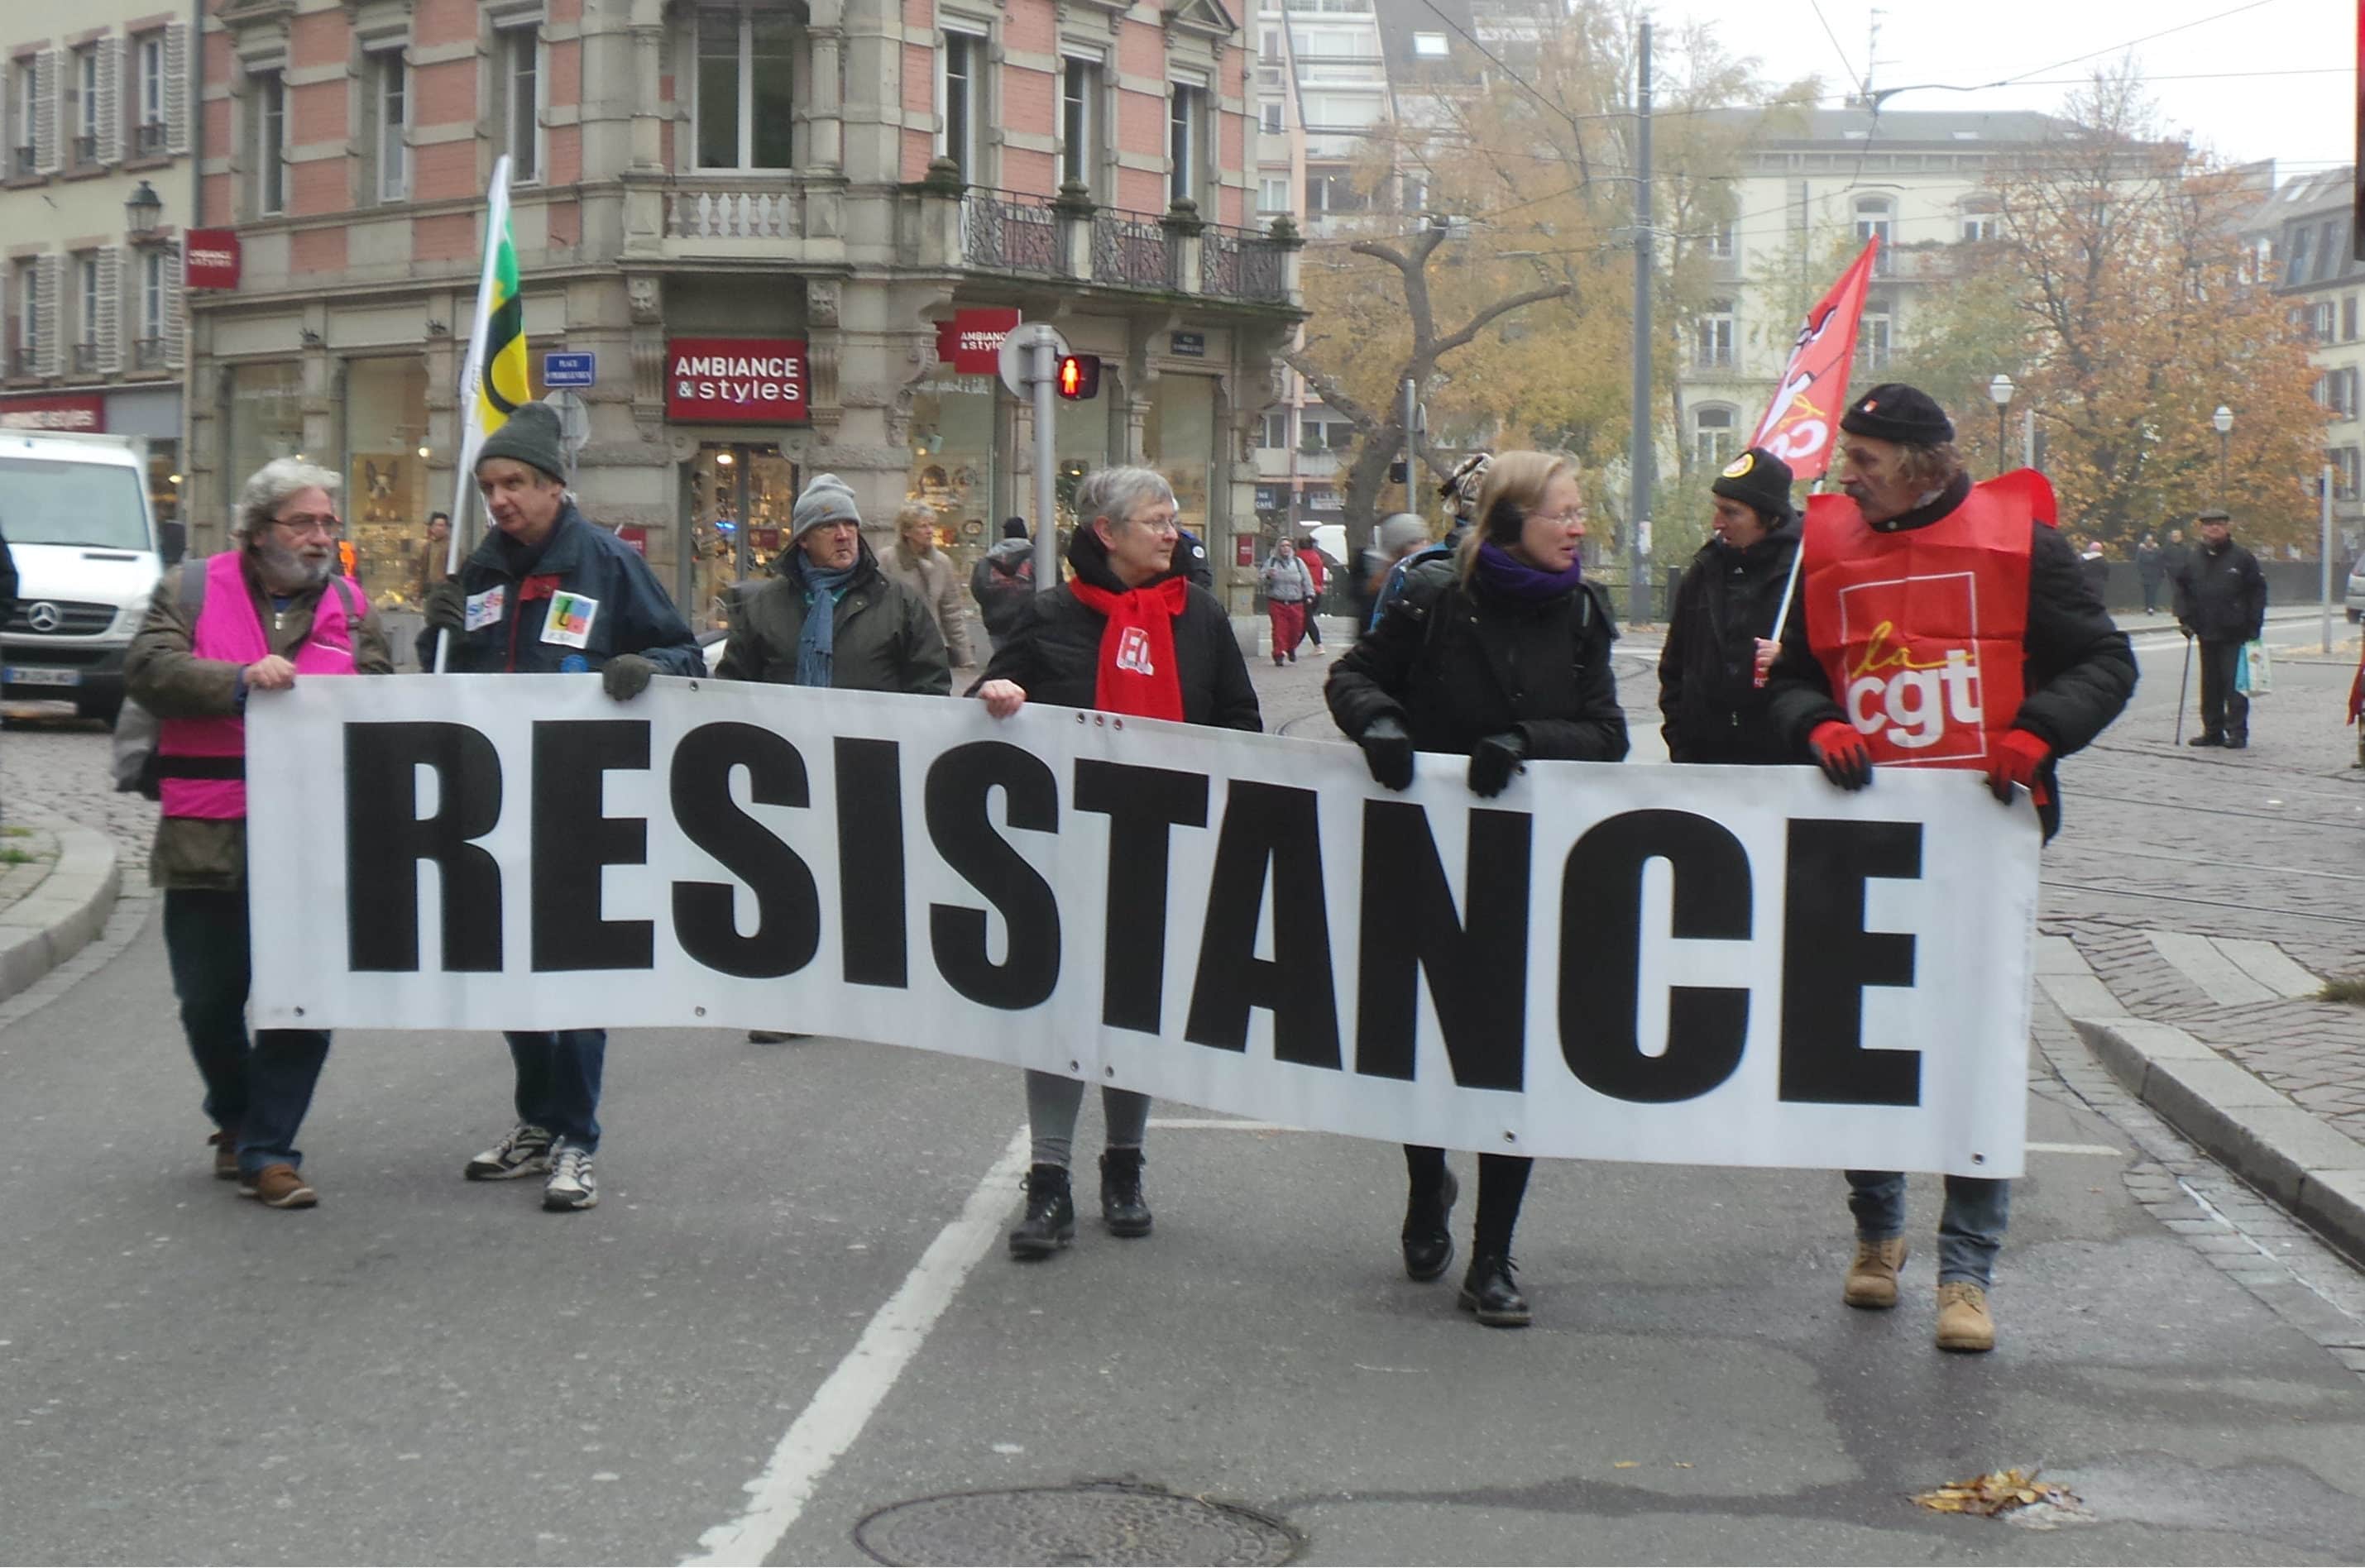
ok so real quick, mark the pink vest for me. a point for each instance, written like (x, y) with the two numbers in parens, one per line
(229, 629)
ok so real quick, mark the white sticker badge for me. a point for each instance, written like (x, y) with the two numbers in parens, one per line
(571, 615)
(485, 608)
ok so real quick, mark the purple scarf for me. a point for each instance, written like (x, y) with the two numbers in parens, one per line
(1513, 578)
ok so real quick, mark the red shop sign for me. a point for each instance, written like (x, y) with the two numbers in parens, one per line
(86, 414)
(212, 256)
(972, 340)
(745, 381)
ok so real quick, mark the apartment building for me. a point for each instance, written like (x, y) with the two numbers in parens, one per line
(786, 235)
(97, 190)
(2301, 235)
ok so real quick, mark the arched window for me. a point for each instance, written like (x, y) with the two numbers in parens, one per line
(1715, 434)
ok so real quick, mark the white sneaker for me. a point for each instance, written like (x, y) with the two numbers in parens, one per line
(524, 1150)
(571, 1185)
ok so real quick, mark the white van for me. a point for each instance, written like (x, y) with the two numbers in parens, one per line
(88, 554)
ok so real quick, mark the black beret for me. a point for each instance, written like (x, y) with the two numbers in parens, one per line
(1894, 412)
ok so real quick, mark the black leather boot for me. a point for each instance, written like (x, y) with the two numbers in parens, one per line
(1123, 1208)
(1050, 1222)
(1487, 1291)
(1428, 1232)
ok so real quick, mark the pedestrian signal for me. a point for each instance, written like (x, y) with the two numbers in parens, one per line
(1078, 377)
(1399, 472)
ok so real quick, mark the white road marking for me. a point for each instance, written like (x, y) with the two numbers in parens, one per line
(2201, 960)
(1217, 1125)
(845, 1401)
(2096, 1149)
(2271, 967)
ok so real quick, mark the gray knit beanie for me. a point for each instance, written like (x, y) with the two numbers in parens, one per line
(827, 500)
(530, 436)
(1400, 532)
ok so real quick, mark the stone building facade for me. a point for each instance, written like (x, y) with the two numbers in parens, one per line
(768, 221)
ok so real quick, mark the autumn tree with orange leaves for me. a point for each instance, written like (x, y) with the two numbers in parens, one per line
(2120, 298)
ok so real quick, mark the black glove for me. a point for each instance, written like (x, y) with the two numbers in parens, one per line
(446, 607)
(626, 676)
(1387, 750)
(1493, 761)
(2186, 630)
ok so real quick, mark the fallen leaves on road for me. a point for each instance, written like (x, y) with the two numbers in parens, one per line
(1998, 1491)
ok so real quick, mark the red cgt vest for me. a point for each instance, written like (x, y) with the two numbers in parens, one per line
(1921, 631)
(210, 753)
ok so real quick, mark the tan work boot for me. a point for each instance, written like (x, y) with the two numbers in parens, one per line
(1963, 1321)
(279, 1187)
(1872, 1278)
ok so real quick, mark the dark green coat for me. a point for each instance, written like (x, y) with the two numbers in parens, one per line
(884, 637)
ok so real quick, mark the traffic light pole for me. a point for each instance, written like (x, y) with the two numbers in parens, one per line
(1043, 369)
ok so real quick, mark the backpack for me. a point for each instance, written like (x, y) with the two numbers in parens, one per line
(139, 767)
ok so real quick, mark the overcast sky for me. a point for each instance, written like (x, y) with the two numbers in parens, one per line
(2304, 121)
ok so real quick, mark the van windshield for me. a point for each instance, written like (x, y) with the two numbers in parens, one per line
(72, 503)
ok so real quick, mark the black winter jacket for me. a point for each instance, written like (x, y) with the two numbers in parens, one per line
(1054, 650)
(634, 614)
(1454, 664)
(883, 636)
(2222, 594)
(1714, 709)
(2079, 674)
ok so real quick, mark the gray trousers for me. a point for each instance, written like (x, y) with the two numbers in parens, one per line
(1054, 1103)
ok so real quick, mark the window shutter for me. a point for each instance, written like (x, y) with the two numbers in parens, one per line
(107, 330)
(176, 88)
(171, 329)
(110, 100)
(45, 112)
(45, 286)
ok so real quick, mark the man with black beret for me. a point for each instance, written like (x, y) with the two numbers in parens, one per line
(1710, 697)
(1940, 624)
(551, 592)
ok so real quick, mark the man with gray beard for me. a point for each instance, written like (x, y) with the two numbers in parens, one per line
(257, 618)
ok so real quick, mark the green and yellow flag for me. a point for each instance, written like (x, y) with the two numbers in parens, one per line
(503, 385)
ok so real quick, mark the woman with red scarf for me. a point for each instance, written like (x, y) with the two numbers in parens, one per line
(1500, 653)
(1128, 634)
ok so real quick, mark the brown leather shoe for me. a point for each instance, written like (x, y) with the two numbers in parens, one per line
(1872, 1278)
(225, 1148)
(279, 1187)
(1964, 1324)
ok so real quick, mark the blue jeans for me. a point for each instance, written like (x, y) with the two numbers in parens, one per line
(256, 1090)
(558, 1081)
(1970, 1227)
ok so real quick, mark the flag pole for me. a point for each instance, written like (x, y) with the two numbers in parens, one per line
(471, 374)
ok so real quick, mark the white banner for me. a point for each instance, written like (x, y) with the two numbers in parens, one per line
(1691, 965)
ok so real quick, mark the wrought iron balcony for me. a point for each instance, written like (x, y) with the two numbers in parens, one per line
(85, 358)
(86, 151)
(148, 139)
(1133, 251)
(1241, 263)
(1011, 232)
(22, 165)
(25, 357)
(148, 353)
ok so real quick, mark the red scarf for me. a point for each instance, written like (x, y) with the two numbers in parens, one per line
(1137, 673)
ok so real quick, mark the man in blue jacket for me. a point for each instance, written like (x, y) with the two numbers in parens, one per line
(551, 592)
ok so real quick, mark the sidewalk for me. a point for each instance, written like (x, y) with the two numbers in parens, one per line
(58, 885)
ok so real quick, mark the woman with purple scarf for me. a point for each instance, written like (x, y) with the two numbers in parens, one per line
(1500, 654)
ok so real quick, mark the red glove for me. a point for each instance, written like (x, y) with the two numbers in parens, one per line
(2016, 760)
(1841, 753)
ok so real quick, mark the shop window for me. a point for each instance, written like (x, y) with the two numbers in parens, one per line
(517, 100)
(740, 496)
(385, 501)
(1179, 441)
(266, 419)
(743, 97)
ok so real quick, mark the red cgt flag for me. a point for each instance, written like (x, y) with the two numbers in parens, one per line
(1799, 426)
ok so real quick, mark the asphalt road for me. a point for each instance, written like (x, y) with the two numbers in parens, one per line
(794, 1282)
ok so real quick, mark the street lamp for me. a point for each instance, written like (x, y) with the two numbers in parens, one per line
(141, 210)
(2223, 420)
(2000, 391)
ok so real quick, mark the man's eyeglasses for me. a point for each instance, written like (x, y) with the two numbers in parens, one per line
(328, 526)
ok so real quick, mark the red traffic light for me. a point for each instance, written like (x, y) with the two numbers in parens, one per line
(1078, 377)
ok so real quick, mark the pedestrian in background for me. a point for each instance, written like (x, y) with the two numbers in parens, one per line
(1318, 568)
(2151, 571)
(1713, 694)
(828, 617)
(551, 592)
(1926, 553)
(1459, 493)
(435, 554)
(2096, 565)
(1191, 558)
(1004, 581)
(268, 612)
(2175, 556)
(2221, 602)
(1430, 678)
(1288, 590)
(1130, 634)
(914, 561)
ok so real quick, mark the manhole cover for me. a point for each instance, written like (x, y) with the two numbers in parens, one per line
(1102, 1522)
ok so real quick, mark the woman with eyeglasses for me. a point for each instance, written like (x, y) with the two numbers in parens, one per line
(1128, 634)
(1499, 654)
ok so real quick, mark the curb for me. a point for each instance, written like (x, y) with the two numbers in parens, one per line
(70, 907)
(2313, 1170)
